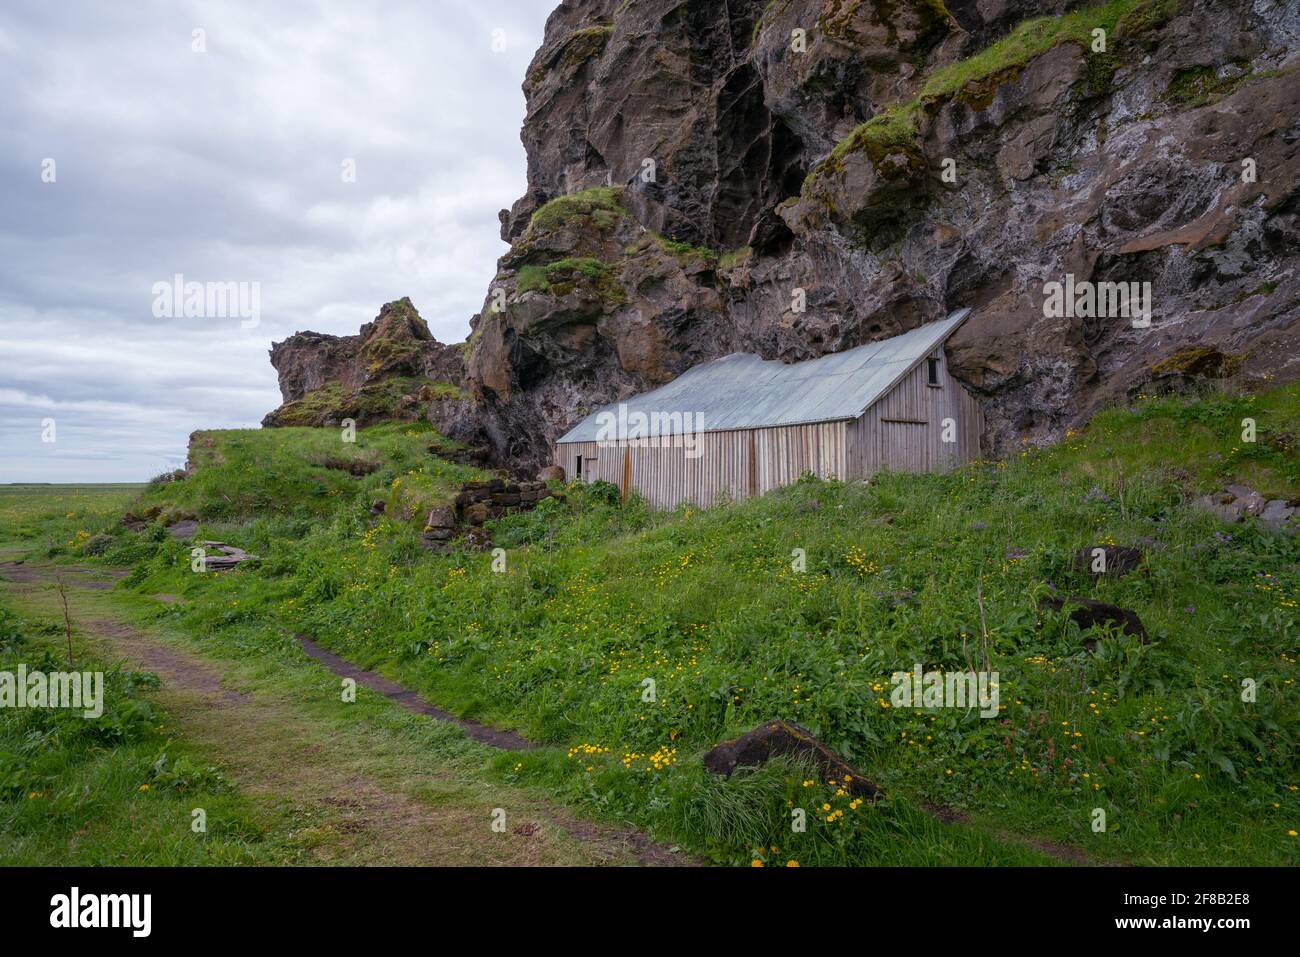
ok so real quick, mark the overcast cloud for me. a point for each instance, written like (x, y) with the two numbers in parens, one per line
(226, 165)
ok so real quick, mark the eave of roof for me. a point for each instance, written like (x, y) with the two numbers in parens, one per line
(744, 391)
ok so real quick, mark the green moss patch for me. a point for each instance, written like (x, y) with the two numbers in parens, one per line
(1199, 85)
(374, 401)
(573, 51)
(601, 206)
(976, 79)
(564, 275)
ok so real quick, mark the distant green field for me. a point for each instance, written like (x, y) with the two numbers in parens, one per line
(59, 512)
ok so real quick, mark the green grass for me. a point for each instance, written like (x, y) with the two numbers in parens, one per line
(543, 278)
(61, 516)
(933, 569)
(1198, 85)
(116, 789)
(287, 773)
(600, 205)
(734, 257)
(300, 473)
(685, 251)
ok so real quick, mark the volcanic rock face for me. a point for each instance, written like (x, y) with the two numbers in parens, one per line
(699, 171)
(393, 368)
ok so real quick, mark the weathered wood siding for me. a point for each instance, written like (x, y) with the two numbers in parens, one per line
(731, 465)
(902, 432)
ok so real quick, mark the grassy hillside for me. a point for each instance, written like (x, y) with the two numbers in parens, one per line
(944, 571)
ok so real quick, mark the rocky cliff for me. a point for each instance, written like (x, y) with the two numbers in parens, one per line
(794, 177)
(394, 368)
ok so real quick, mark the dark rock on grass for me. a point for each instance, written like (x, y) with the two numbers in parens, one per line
(1120, 560)
(757, 747)
(1087, 613)
(479, 456)
(443, 516)
(183, 529)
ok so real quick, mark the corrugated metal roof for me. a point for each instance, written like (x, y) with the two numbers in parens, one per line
(743, 391)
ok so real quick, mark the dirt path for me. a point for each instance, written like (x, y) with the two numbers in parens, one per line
(361, 795)
(493, 737)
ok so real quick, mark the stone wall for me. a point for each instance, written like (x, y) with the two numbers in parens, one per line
(477, 503)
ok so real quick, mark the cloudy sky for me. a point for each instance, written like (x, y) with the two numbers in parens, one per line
(224, 156)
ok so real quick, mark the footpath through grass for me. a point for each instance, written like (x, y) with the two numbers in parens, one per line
(112, 789)
(941, 571)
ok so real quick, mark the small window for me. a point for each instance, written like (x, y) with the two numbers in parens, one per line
(932, 372)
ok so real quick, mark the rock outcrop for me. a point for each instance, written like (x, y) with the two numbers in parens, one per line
(797, 177)
(1238, 502)
(393, 369)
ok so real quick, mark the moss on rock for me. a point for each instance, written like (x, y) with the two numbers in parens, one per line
(601, 206)
(565, 275)
(1202, 362)
(891, 135)
(1199, 85)
(573, 51)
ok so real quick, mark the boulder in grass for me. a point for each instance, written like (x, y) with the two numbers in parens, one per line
(552, 473)
(1237, 502)
(778, 737)
(477, 540)
(1250, 501)
(183, 529)
(1087, 613)
(443, 516)
(1278, 514)
(1120, 560)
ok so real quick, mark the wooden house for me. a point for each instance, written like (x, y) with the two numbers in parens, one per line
(741, 426)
